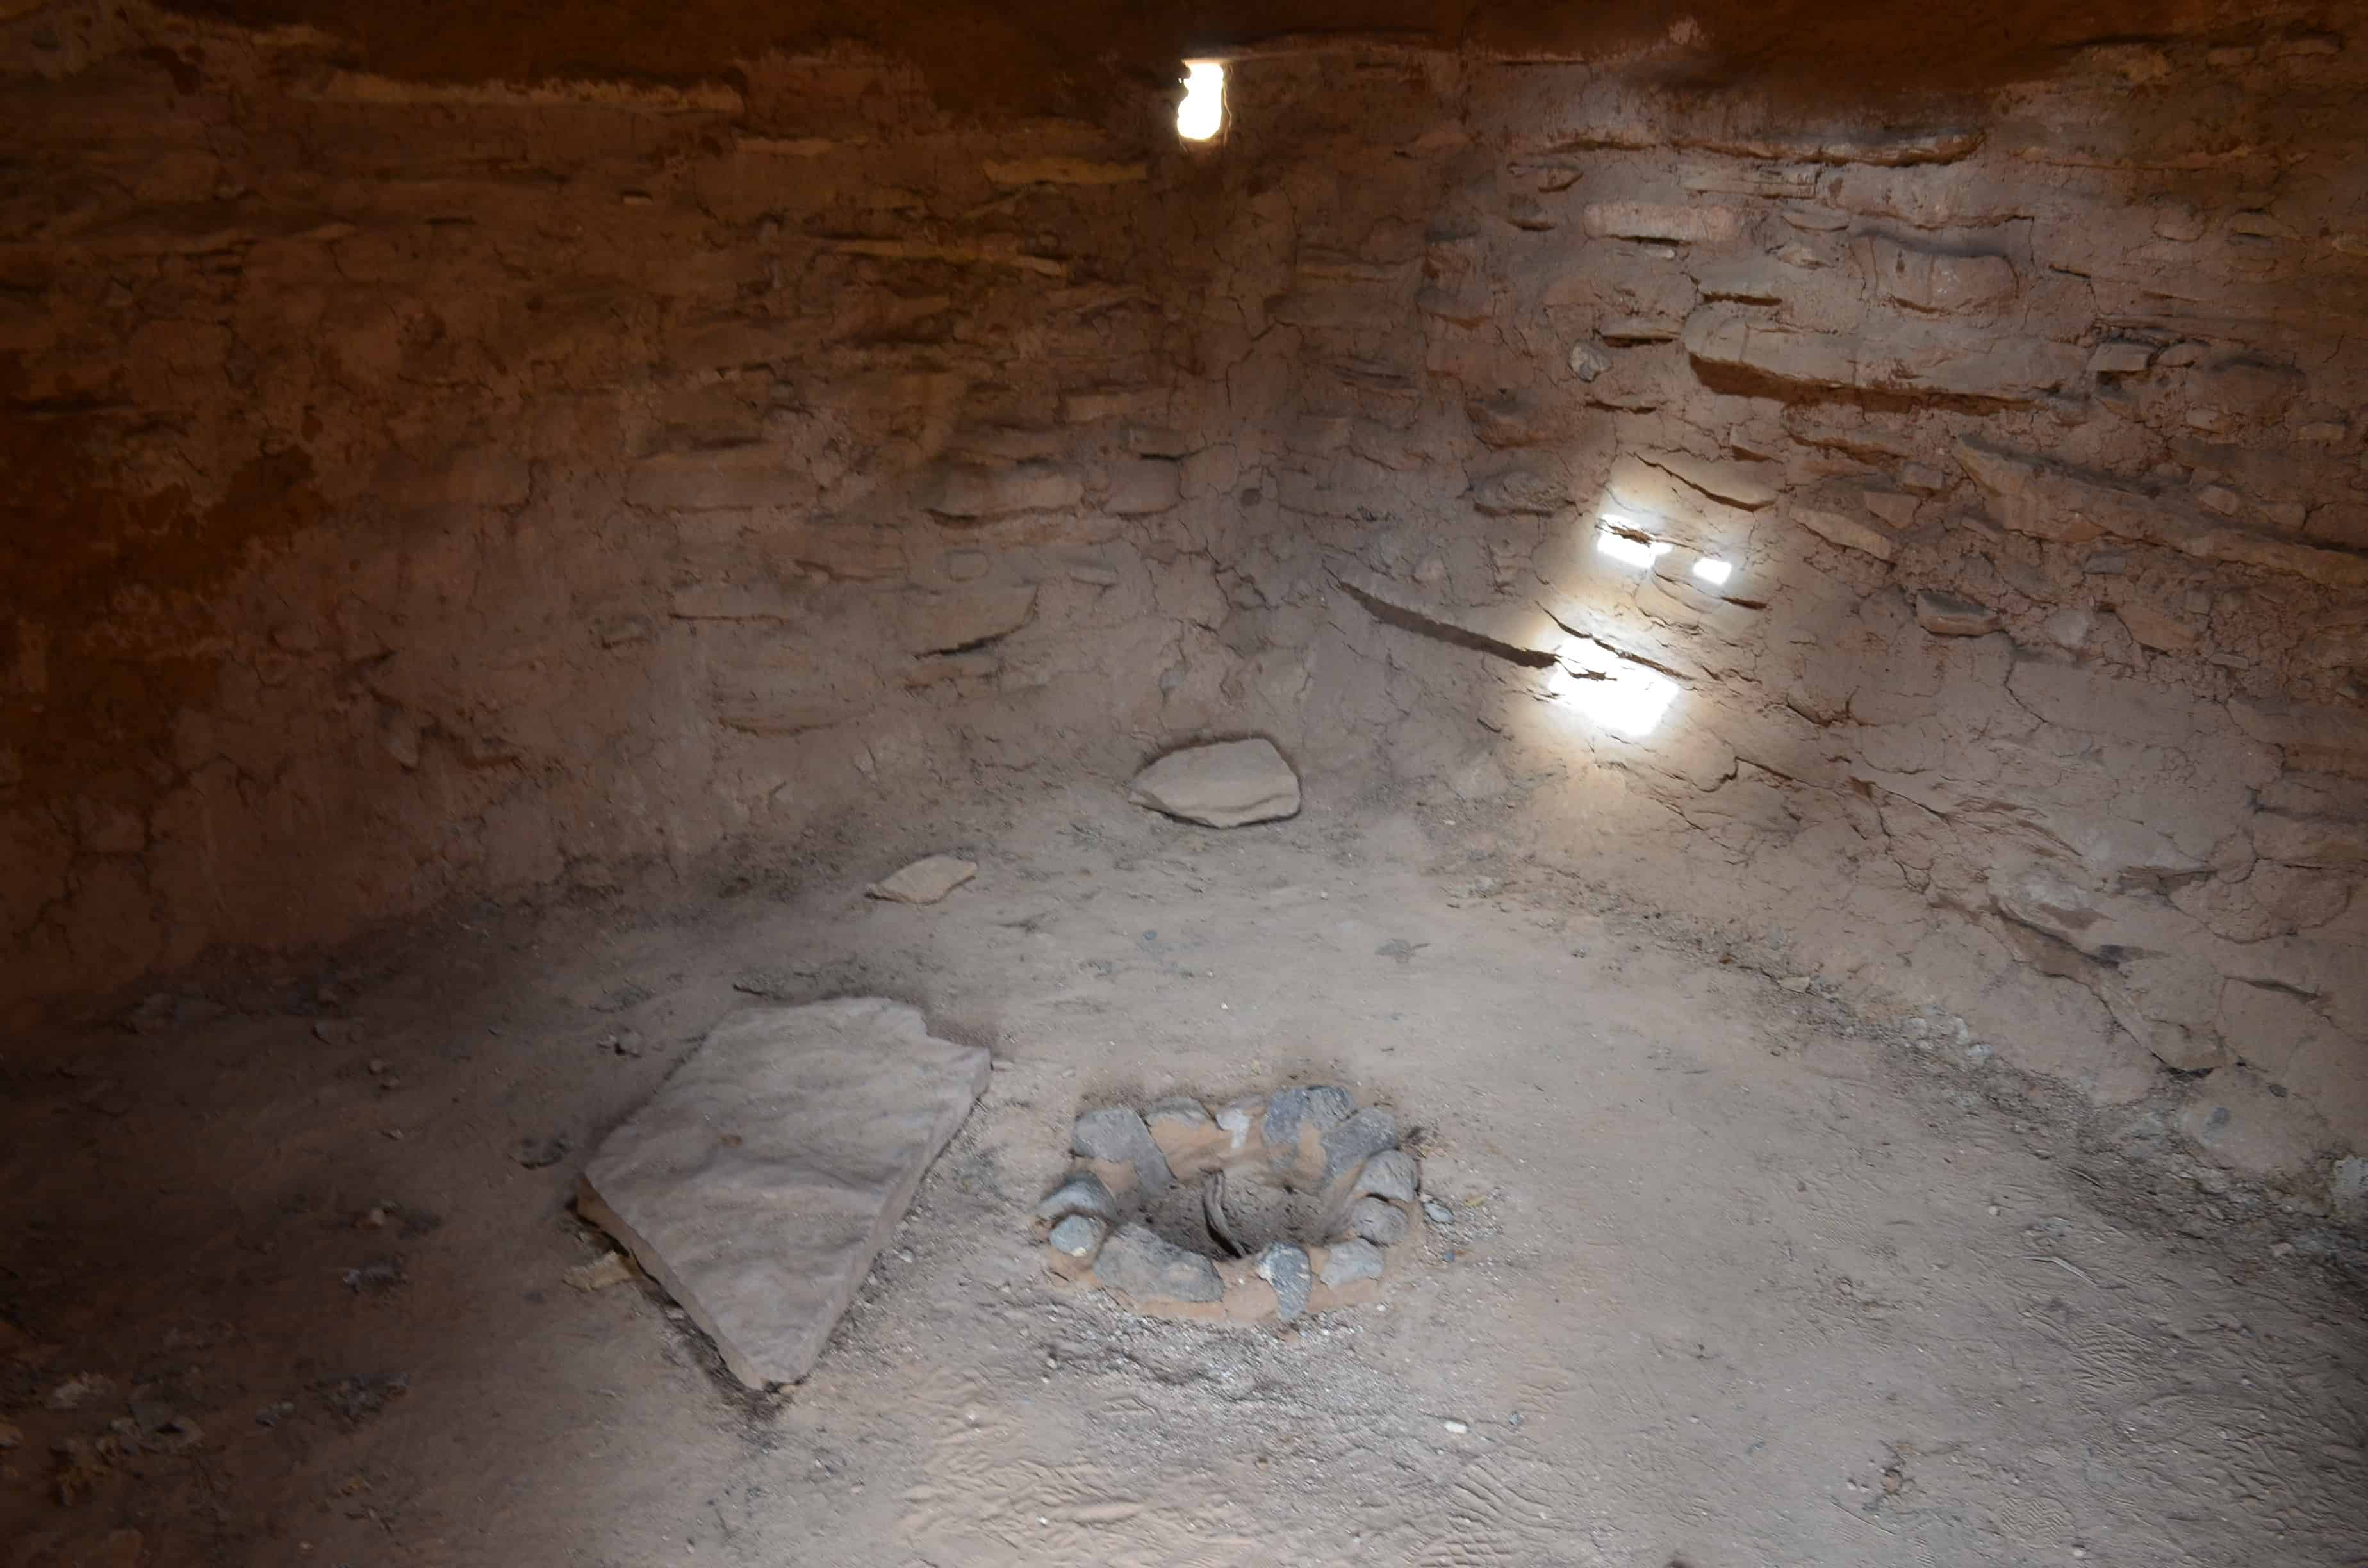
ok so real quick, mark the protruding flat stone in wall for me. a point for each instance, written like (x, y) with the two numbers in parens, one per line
(1629, 331)
(762, 1181)
(968, 493)
(1931, 360)
(1945, 615)
(1746, 484)
(2048, 500)
(1065, 171)
(1836, 524)
(1692, 223)
(2311, 841)
(924, 880)
(1520, 493)
(1937, 282)
(2151, 625)
(1225, 785)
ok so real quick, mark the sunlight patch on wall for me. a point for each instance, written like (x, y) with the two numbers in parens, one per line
(1713, 571)
(1626, 698)
(1626, 547)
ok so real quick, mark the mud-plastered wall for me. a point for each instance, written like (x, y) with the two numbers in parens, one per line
(1930, 539)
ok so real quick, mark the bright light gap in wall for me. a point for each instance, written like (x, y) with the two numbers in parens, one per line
(1713, 571)
(1617, 540)
(1202, 113)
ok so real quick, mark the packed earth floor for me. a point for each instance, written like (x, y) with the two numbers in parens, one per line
(1734, 1275)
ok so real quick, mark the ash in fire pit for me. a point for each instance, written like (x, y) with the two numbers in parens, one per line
(1268, 1209)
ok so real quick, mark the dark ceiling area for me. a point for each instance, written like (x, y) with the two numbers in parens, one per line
(1003, 56)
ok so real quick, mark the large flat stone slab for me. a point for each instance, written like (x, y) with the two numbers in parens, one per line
(1228, 784)
(763, 1179)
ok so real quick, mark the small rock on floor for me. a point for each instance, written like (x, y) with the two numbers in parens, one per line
(83, 1388)
(534, 1153)
(926, 881)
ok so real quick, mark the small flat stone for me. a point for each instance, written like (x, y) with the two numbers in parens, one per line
(1226, 785)
(760, 1184)
(1140, 1265)
(926, 881)
(2347, 1187)
(1080, 1192)
(1357, 1140)
(1078, 1235)
(1349, 1262)
(535, 1153)
(1287, 1268)
(1235, 1120)
(1381, 1222)
(1117, 1134)
(1390, 1174)
(1438, 1213)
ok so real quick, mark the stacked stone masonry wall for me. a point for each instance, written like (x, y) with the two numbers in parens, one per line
(423, 490)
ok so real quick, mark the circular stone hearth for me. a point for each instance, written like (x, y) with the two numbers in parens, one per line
(1268, 1211)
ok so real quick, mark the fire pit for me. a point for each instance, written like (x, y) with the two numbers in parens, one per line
(1265, 1211)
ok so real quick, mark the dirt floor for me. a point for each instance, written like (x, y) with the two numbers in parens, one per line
(1733, 1278)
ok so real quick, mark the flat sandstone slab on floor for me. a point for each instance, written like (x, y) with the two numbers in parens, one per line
(763, 1179)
